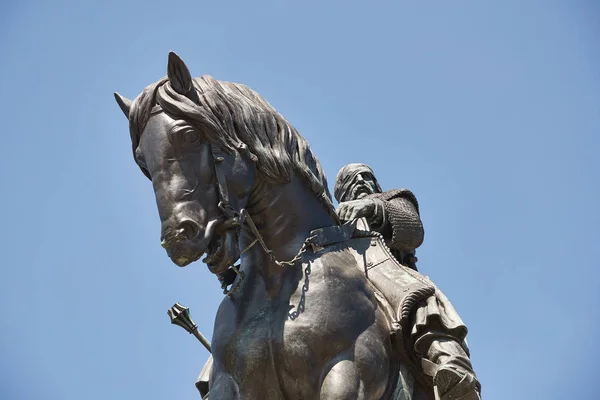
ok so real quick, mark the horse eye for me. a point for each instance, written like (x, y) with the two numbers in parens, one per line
(191, 137)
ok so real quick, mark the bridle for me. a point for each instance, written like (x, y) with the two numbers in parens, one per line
(240, 219)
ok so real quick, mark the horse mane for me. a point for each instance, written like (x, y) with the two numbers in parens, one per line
(230, 114)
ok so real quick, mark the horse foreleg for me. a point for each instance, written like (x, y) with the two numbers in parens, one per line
(223, 387)
(342, 382)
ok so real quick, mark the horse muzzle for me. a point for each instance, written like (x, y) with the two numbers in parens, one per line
(188, 241)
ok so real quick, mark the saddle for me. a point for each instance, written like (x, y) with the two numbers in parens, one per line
(401, 287)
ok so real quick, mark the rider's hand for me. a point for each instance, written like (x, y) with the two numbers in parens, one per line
(350, 210)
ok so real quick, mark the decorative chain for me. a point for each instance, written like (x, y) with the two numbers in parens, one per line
(245, 217)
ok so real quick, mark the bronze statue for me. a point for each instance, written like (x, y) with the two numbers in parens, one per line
(321, 310)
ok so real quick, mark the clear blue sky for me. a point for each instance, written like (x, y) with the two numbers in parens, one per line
(490, 113)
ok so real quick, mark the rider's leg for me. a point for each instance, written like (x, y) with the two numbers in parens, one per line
(450, 367)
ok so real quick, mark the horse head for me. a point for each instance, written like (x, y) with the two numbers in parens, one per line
(206, 145)
(180, 145)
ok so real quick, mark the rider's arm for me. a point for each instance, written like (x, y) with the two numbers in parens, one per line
(399, 220)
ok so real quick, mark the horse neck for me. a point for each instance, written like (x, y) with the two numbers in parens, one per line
(284, 215)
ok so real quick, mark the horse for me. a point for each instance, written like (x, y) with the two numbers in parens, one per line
(234, 180)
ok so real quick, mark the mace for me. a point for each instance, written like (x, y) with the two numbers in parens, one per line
(180, 315)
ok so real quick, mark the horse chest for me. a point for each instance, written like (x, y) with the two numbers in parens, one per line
(294, 337)
(330, 308)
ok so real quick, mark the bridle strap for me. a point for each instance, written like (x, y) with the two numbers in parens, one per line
(224, 204)
(242, 219)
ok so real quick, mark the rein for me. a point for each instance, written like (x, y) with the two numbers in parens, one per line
(242, 219)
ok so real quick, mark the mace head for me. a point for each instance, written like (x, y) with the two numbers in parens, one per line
(180, 315)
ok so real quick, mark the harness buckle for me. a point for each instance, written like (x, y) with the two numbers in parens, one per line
(227, 210)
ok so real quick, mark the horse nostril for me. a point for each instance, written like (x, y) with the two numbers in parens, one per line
(188, 229)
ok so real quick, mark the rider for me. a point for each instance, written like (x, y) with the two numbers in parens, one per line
(438, 334)
(394, 214)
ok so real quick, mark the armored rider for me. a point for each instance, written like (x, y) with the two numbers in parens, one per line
(438, 334)
(394, 214)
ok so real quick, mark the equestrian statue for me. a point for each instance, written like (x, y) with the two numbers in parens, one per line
(323, 304)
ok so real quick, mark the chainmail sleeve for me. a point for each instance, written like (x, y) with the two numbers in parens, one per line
(402, 219)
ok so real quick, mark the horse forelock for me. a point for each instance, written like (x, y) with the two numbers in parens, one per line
(139, 114)
(230, 114)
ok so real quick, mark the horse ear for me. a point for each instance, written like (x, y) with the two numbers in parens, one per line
(124, 103)
(180, 77)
